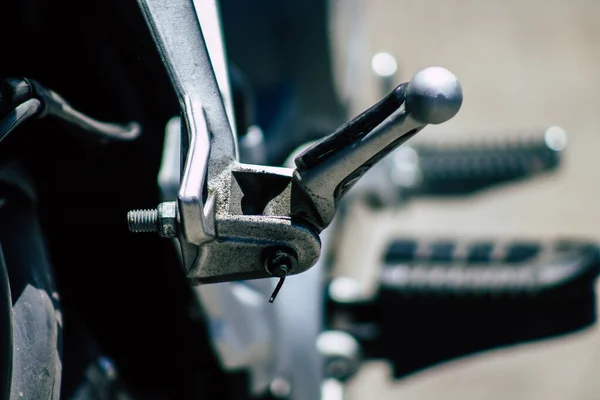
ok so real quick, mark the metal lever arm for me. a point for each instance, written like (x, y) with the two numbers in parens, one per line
(22, 99)
(209, 143)
(330, 167)
(239, 221)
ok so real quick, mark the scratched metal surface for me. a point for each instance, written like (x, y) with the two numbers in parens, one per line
(522, 65)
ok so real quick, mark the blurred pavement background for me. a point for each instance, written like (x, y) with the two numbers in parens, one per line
(522, 65)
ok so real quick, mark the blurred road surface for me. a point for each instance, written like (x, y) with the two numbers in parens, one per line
(522, 64)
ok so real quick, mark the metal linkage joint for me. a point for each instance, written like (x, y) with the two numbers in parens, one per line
(239, 221)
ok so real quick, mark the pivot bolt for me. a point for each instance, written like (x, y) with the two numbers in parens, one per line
(163, 220)
(279, 264)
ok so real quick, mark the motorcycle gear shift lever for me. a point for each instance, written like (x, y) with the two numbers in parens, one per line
(330, 167)
(236, 221)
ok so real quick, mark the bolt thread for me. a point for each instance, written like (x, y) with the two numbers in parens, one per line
(142, 220)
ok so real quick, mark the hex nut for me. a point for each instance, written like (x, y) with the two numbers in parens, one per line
(167, 219)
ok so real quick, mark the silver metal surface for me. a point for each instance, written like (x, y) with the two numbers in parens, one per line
(253, 147)
(341, 352)
(234, 217)
(58, 107)
(385, 67)
(385, 184)
(16, 117)
(242, 325)
(209, 16)
(163, 220)
(332, 389)
(432, 96)
(254, 210)
(177, 33)
(324, 181)
(211, 171)
(197, 219)
(555, 138)
(142, 220)
(167, 219)
(344, 289)
(300, 315)
(170, 165)
(43, 102)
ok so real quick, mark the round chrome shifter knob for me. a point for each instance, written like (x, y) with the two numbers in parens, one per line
(433, 95)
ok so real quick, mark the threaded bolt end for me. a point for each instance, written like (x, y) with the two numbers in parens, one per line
(142, 220)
